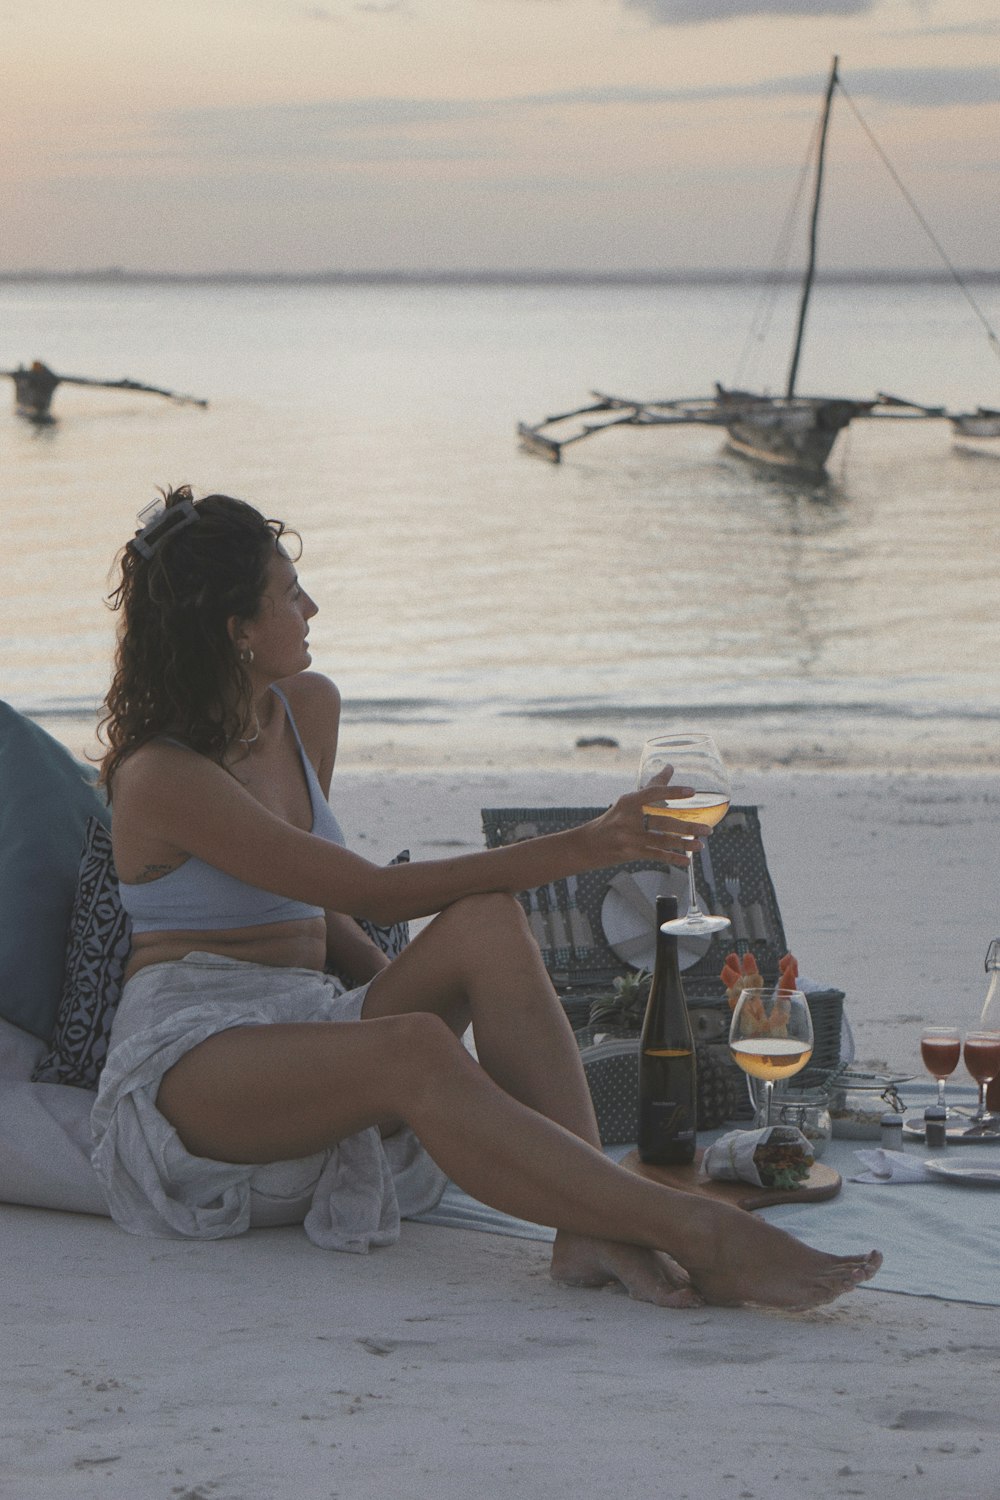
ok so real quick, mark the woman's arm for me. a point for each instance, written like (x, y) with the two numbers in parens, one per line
(350, 952)
(185, 804)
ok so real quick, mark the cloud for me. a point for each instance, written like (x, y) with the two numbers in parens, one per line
(926, 88)
(967, 28)
(917, 87)
(695, 12)
(384, 129)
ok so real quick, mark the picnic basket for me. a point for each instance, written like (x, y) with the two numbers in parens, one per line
(582, 928)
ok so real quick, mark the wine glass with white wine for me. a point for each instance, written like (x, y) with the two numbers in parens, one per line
(771, 1037)
(696, 763)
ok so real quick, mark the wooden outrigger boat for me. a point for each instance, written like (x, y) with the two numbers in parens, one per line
(790, 432)
(36, 384)
(977, 431)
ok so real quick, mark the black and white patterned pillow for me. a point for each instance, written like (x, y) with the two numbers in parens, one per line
(97, 947)
(393, 938)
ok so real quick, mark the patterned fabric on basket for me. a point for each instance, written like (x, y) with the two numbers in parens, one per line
(96, 951)
(612, 1070)
(393, 938)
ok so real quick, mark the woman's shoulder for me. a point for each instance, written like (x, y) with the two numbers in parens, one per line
(310, 692)
(155, 764)
(314, 703)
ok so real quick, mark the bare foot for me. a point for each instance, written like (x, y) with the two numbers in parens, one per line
(647, 1275)
(743, 1259)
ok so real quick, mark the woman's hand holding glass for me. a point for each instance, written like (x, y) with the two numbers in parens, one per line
(627, 832)
(704, 802)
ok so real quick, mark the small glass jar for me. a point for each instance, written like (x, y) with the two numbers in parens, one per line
(811, 1116)
(858, 1103)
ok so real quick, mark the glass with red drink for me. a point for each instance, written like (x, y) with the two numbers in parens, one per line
(940, 1048)
(982, 1059)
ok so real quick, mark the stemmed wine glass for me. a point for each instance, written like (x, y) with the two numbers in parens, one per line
(771, 1037)
(940, 1049)
(696, 762)
(982, 1058)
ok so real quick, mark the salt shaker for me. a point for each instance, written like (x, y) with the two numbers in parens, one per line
(891, 1129)
(936, 1127)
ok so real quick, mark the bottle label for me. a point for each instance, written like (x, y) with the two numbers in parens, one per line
(666, 1131)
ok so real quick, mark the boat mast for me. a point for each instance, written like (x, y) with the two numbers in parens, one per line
(811, 267)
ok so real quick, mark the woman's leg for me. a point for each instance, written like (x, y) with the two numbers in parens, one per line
(478, 962)
(272, 1092)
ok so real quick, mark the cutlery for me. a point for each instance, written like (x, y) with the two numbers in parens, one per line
(557, 922)
(580, 933)
(732, 884)
(757, 922)
(535, 920)
(709, 874)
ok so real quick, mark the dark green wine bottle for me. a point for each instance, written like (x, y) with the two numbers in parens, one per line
(668, 1094)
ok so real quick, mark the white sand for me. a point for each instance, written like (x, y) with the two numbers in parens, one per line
(450, 1366)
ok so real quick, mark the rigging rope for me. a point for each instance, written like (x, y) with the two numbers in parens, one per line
(990, 334)
(761, 322)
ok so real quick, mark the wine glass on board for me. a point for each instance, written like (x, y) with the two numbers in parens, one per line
(982, 1059)
(771, 1037)
(696, 763)
(940, 1049)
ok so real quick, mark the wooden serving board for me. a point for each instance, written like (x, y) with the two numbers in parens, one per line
(822, 1182)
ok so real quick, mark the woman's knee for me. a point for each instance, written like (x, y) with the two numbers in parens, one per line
(486, 917)
(424, 1052)
(422, 1041)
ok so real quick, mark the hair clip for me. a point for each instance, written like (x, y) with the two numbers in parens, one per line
(158, 521)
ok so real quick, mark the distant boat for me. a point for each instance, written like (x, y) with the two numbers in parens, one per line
(36, 384)
(977, 431)
(795, 432)
(790, 432)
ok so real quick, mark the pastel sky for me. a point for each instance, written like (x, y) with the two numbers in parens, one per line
(307, 135)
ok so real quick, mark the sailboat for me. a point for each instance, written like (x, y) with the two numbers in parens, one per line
(977, 431)
(36, 384)
(790, 432)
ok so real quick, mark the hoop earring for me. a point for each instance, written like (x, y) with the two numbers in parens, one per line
(246, 656)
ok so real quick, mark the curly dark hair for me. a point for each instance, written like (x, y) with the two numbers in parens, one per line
(177, 671)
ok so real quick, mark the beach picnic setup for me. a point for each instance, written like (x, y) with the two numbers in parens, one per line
(832, 1148)
(790, 433)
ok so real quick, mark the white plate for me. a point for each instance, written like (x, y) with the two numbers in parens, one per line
(956, 1172)
(956, 1132)
(628, 917)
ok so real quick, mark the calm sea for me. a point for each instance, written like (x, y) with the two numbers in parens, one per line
(479, 607)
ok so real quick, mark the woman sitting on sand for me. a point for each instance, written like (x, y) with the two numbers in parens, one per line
(226, 1088)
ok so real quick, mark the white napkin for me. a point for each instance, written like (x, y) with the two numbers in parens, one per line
(890, 1167)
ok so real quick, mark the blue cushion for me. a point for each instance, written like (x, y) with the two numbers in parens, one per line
(46, 797)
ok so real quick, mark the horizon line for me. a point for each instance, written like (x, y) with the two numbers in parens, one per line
(118, 275)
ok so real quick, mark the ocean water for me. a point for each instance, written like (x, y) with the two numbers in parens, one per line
(481, 608)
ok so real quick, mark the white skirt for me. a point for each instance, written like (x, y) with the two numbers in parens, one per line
(349, 1197)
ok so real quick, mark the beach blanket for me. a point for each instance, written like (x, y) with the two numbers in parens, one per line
(939, 1238)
